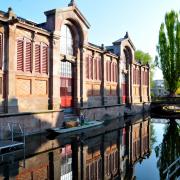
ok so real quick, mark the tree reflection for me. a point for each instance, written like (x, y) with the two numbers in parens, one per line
(168, 151)
(152, 136)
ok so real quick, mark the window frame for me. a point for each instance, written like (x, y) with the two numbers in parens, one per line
(64, 44)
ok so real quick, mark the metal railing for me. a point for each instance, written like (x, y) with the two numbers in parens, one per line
(11, 130)
(13, 133)
(175, 164)
(169, 100)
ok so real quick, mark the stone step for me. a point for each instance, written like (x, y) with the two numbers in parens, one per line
(70, 117)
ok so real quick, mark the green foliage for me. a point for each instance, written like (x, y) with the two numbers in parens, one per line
(143, 57)
(169, 51)
(178, 91)
(168, 151)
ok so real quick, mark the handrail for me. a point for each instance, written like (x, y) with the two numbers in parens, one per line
(169, 167)
(165, 99)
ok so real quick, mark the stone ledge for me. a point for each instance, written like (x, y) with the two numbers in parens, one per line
(29, 113)
(105, 106)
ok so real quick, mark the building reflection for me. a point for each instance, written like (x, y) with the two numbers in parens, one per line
(107, 153)
(114, 153)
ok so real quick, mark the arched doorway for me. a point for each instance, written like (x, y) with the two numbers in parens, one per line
(71, 44)
(126, 75)
(66, 70)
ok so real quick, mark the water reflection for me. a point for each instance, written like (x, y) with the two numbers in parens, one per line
(106, 152)
(169, 150)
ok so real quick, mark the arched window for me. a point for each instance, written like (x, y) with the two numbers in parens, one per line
(66, 42)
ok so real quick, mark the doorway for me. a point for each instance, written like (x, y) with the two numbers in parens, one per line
(66, 86)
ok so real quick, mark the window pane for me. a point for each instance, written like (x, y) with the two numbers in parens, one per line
(66, 42)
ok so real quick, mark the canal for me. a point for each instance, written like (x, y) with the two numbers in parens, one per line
(137, 147)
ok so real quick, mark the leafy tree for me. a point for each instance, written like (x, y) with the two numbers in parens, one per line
(168, 49)
(168, 151)
(145, 58)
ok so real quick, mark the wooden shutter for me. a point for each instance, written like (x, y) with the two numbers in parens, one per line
(100, 70)
(37, 58)
(113, 72)
(20, 48)
(87, 68)
(95, 68)
(28, 57)
(92, 67)
(1, 50)
(44, 59)
(1, 86)
(110, 76)
(107, 71)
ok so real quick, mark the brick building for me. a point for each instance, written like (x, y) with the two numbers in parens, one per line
(52, 66)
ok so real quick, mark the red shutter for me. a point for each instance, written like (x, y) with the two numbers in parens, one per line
(20, 63)
(87, 67)
(1, 50)
(144, 77)
(44, 59)
(37, 58)
(116, 73)
(107, 74)
(92, 65)
(110, 77)
(134, 75)
(28, 57)
(95, 68)
(100, 69)
(147, 78)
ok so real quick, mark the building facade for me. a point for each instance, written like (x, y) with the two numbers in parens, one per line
(52, 66)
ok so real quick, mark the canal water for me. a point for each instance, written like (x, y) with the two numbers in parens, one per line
(137, 147)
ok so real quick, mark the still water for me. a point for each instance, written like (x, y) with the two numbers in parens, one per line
(138, 147)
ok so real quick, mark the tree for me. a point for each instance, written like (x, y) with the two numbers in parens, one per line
(168, 151)
(168, 49)
(145, 58)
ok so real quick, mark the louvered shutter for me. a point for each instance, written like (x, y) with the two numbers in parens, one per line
(115, 72)
(20, 63)
(92, 67)
(1, 50)
(95, 68)
(100, 69)
(44, 59)
(107, 79)
(28, 57)
(87, 68)
(37, 58)
(110, 76)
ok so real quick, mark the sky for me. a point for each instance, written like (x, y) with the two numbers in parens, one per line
(109, 19)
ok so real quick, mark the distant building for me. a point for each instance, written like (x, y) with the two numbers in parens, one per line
(159, 89)
(52, 66)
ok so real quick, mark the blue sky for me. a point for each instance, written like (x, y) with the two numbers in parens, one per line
(109, 19)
